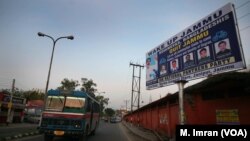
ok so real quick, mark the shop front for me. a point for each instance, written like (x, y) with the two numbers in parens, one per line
(16, 107)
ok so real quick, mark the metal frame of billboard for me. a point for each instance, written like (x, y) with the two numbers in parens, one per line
(213, 44)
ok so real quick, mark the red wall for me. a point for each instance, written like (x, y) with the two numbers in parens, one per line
(163, 118)
(204, 112)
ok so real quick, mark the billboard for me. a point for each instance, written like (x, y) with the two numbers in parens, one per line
(210, 46)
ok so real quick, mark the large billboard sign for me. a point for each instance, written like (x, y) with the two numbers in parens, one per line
(210, 46)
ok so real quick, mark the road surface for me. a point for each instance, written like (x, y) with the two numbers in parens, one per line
(105, 132)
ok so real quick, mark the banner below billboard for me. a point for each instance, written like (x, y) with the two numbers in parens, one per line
(210, 46)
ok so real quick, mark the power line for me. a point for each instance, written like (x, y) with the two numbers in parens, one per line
(242, 5)
(5, 85)
(247, 14)
(20, 84)
(243, 16)
(244, 28)
(5, 80)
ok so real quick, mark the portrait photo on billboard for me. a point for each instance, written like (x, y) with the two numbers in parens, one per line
(204, 55)
(222, 48)
(151, 67)
(174, 65)
(188, 60)
(162, 65)
(163, 69)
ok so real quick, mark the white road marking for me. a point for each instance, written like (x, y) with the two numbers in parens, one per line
(123, 131)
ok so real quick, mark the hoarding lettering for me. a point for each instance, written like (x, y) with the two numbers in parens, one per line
(196, 51)
(196, 38)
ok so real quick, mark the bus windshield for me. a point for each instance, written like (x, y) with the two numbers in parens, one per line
(55, 103)
(65, 104)
(74, 104)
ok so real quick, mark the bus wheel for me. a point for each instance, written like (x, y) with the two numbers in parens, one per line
(84, 136)
(48, 137)
(93, 132)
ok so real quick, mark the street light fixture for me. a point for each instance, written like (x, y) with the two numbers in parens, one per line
(54, 43)
(42, 35)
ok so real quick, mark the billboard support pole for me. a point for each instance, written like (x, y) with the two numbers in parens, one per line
(136, 88)
(181, 84)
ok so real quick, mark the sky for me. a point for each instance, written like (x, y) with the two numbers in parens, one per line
(108, 35)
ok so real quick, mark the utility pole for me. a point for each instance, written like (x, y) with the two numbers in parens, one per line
(126, 101)
(10, 103)
(136, 86)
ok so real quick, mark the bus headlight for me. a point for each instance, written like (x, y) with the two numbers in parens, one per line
(77, 124)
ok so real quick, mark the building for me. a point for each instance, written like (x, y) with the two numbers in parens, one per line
(17, 108)
(223, 99)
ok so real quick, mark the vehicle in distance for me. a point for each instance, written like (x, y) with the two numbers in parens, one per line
(115, 119)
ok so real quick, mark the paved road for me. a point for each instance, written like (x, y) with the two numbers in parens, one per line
(13, 129)
(105, 132)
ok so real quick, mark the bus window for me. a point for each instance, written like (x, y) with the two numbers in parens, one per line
(55, 103)
(74, 104)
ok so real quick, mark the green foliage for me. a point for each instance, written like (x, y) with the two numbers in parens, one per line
(109, 112)
(33, 95)
(103, 101)
(69, 85)
(88, 86)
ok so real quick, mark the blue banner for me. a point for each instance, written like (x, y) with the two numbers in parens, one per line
(210, 46)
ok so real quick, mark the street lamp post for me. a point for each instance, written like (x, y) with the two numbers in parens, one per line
(54, 43)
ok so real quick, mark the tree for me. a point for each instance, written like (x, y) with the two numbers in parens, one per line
(88, 86)
(69, 85)
(103, 101)
(33, 95)
(110, 112)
